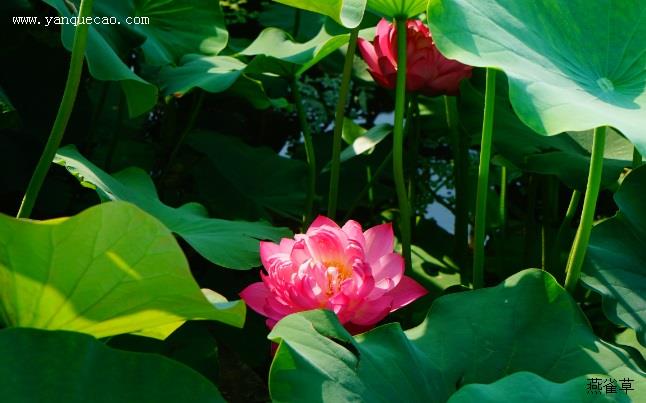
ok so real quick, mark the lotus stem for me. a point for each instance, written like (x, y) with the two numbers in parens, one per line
(502, 207)
(461, 179)
(339, 115)
(368, 187)
(398, 143)
(573, 206)
(309, 153)
(196, 108)
(582, 238)
(63, 116)
(483, 180)
(637, 158)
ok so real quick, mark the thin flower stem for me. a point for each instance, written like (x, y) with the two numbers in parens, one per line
(572, 208)
(460, 142)
(502, 208)
(398, 142)
(582, 238)
(339, 115)
(637, 158)
(373, 179)
(309, 153)
(413, 129)
(196, 108)
(63, 116)
(483, 180)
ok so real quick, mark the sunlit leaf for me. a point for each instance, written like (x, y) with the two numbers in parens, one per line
(398, 8)
(346, 12)
(110, 270)
(571, 67)
(276, 52)
(232, 244)
(528, 323)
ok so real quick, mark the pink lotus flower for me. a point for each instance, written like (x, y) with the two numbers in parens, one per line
(427, 71)
(353, 273)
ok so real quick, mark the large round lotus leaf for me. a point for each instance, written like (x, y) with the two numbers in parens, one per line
(398, 8)
(348, 13)
(45, 366)
(175, 28)
(109, 270)
(231, 244)
(528, 323)
(572, 64)
(615, 265)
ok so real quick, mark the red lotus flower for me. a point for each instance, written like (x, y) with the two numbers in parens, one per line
(427, 71)
(353, 273)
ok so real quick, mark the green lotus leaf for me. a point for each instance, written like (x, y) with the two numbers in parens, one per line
(245, 169)
(529, 323)
(398, 8)
(42, 366)
(525, 387)
(213, 74)
(571, 67)
(348, 13)
(615, 264)
(566, 155)
(109, 270)
(231, 244)
(276, 52)
(175, 28)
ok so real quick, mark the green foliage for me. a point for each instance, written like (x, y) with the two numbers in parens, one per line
(570, 66)
(525, 387)
(275, 52)
(232, 244)
(110, 270)
(528, 323)
(245, 169)
(70, 367)
(398, 8)
(566, 155)
(175, 29)
(348, 13)
(616, 264)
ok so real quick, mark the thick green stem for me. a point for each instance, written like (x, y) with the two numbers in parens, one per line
(460, 142)
(483, 180)
(63, 116)
(335, 168)
(637, 158)
(580, 245)
(309, 153)
(398, 143)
